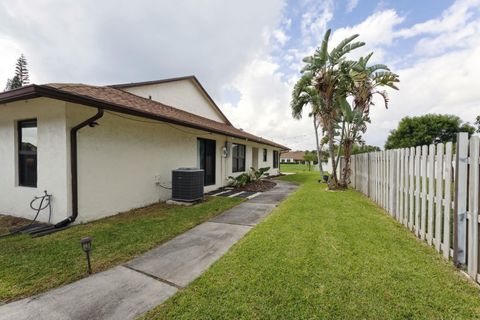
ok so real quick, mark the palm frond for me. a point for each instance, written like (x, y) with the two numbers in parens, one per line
(377, 67)
(367, 58)
(344, 42)
(344, 47)
(303, 94)
(385, 78)
(384, 95)
(323, 52)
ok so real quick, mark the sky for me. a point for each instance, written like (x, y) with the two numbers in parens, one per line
(248, 54)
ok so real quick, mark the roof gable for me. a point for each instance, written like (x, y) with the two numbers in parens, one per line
(184, 93)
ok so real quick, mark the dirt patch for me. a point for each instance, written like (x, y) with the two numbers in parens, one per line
(8, 222)
(258, 186)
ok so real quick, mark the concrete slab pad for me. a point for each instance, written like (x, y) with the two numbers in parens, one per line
(283, 187)
(118, 293)
(270, 198)
(184, 258)
(247, 214)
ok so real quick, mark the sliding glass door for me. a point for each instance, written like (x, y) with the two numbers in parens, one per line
(206, 158)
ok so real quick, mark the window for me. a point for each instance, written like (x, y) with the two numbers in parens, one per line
(238, 157)
(275, 159)
(27, 153)
(265, 152)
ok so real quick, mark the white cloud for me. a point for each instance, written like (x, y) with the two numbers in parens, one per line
(314, 21)
(452, 19)
(352, 4)
(280, 36)
(265, 98)
(377, 31)
(440, 77)
(459, 39)
(10, 53)
(117, 41)
(442, 84)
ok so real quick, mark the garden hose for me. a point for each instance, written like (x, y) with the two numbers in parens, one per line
(44, 203)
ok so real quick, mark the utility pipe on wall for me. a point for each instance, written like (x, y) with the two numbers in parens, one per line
(74, 166)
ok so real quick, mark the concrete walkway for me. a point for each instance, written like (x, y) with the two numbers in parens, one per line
(127, 291)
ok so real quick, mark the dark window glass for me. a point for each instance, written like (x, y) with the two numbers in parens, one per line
(238, 157)
(275, 159)
(27, 153)
(206, 154)
(265, 152)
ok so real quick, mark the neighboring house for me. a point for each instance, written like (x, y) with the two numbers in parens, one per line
(293, 157)
(100, 150)
(299, 157)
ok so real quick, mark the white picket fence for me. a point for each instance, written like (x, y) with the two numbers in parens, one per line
(432, 190)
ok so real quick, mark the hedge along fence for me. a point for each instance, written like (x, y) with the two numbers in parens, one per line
(432, 190)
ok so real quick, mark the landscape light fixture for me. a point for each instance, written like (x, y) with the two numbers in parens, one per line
(87, 247)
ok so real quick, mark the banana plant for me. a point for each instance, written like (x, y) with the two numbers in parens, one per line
(330, 73)
(366, 83)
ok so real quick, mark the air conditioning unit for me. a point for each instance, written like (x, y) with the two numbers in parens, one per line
(187, 184)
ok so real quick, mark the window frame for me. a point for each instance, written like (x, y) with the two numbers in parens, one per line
(33, 123)
(276, 155)
(236, 158)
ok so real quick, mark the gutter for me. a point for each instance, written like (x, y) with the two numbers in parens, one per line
(35, 91)
(74, 166)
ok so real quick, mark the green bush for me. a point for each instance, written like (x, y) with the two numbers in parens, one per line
(248, 177)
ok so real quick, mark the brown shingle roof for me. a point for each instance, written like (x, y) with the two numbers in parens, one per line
(122, 101)
(295, 155)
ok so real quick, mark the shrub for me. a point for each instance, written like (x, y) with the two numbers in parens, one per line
(248, 177)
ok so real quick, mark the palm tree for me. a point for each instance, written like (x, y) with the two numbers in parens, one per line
(304, 94)
(366, 83)
(331, 78)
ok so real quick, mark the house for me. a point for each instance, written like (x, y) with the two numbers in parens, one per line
(100, 150)
(293, 157)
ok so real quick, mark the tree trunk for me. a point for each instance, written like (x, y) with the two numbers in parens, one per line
(333, 181)
(320, 167)
(340, 145)
(347, 152)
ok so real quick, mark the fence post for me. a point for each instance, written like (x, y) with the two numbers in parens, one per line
(473, 190)
(352, 171)
(460, 215)
(368, 174)
(393, 182)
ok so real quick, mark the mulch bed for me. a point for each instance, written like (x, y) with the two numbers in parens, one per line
(259, 186)
(8, 222)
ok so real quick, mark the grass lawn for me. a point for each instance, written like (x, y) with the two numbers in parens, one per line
(29, 266)
(327, 255)
(294, 167)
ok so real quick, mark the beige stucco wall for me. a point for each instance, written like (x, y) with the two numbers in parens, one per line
(119, 161)
(181, 94)
(52, 163)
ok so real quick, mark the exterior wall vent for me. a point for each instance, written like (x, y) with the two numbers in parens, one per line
(187, 184)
